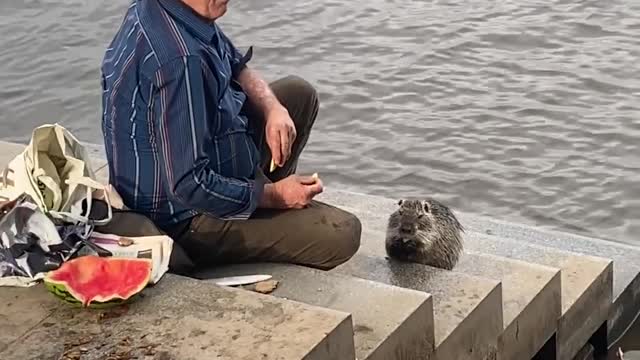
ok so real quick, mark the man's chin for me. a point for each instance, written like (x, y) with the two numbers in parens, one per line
(222, 10)
(219, 10)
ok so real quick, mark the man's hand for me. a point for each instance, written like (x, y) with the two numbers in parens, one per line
(280, 134)
(293, 192)
(280, 130)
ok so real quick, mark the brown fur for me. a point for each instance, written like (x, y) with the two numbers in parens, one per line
(426, 232)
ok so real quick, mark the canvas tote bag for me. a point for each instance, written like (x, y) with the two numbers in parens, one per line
(55, 170)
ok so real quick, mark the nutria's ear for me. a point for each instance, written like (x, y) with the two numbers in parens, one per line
(400, 202)
(427, 206)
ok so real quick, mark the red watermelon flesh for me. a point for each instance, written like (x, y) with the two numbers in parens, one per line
(93, 278)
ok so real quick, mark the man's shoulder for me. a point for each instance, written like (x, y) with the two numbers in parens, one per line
(130, 48)
(162, 34)
(152, 43)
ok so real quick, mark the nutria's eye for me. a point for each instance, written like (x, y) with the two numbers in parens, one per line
(420, 216)
(427, 208)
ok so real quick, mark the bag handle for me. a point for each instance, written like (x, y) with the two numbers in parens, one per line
(3, 184)
(90, 184)
(5, 176)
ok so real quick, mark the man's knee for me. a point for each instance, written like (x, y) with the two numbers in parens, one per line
(301, 87)
(352, 235)
(299, 97)
(344, 239)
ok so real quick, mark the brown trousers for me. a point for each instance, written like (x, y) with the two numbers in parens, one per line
(319, 236)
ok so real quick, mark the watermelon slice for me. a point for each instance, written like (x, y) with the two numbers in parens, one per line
(93, 281)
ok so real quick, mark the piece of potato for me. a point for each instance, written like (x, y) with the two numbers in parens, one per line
(266, 287)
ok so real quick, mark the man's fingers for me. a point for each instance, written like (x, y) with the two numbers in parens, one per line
(284, 146)
(307, 180)
(292, 139)
(316, 188)
(274, 146)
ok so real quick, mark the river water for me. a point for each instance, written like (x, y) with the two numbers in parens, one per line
(524, 110)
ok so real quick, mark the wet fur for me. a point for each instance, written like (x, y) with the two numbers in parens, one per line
(435, 238)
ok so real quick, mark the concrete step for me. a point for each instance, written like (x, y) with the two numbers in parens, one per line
(586, 286)
(177, 319)
(389, 322)
(586, 353)
(467, 309)
(626, 262)
(528, 290)
(531, 296)
(586, 281)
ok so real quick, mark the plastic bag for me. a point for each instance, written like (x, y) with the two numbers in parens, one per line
(31, 244)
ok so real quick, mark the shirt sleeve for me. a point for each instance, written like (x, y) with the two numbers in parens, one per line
(181, 131)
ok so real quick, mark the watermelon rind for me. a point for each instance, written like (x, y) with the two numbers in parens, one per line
(63, 291)
(60, 291)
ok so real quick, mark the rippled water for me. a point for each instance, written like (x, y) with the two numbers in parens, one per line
(526, 110)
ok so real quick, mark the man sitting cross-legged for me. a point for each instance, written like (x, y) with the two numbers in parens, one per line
(190, 131)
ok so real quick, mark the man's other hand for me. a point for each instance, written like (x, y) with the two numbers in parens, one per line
(281, 133)
(293, 192)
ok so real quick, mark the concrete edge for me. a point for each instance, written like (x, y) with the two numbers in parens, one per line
(407, 347)
(409, 332)
(462, 341)
(340, 343)
(591, 309)
(543, 314)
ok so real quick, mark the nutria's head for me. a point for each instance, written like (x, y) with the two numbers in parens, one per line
(411, 217)
(426, 231)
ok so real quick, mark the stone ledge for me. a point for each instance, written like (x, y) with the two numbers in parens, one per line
(179, 318)
(467, 309)
(389, 322)
(527, 288)
(586, 280)
(531, 297)
(586, 286)
(626, 258)
(626, 261)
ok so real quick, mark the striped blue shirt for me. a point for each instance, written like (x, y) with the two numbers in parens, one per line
(175, 138)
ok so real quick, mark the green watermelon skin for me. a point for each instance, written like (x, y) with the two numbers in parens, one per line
(61, 293)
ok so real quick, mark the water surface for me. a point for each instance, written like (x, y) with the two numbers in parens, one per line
(524, 110)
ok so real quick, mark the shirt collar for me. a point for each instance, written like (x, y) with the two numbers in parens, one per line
(193, 22)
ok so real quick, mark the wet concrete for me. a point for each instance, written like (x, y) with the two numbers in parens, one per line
(467, 309)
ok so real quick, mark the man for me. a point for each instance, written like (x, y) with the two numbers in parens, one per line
(190, 131)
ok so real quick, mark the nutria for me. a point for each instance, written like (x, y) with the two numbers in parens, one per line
(426, 232)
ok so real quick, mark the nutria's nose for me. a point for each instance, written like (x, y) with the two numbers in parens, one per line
(406, 229)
